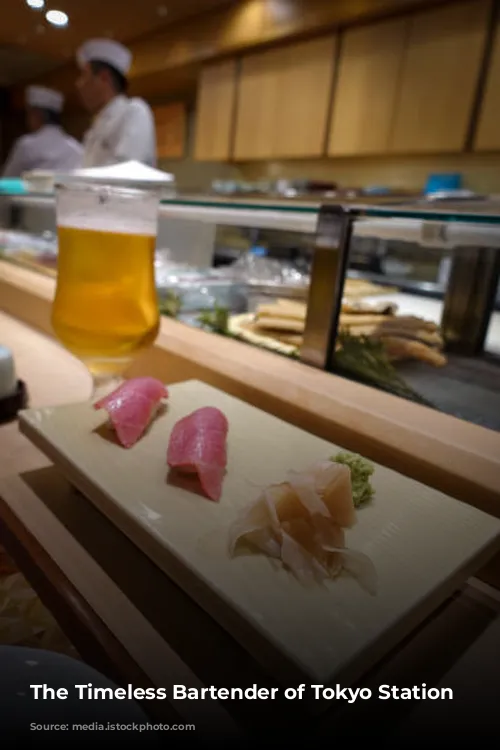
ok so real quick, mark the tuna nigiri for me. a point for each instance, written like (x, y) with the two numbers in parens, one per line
(198, 446)
(132, 407)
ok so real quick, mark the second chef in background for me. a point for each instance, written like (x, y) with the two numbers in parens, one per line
(47, 145)
(123, 128)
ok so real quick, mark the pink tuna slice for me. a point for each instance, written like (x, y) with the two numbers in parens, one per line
(198, 446)
(132, 407)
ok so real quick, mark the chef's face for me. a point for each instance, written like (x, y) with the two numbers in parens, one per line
(92, 88)
(34, 119)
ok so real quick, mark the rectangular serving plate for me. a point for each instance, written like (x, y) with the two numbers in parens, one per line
(423, 544)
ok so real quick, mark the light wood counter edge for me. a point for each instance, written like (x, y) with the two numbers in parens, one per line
(458, 458)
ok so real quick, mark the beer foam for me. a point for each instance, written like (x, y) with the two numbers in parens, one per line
(115, 213)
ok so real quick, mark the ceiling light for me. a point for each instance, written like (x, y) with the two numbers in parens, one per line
(36, 4)
(57, 18)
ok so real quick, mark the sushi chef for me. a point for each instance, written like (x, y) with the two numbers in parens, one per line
(123, 128)
(47, 146)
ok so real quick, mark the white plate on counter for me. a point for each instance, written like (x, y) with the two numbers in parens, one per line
(423, 544)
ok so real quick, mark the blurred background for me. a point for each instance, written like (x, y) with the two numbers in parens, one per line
(354, 93)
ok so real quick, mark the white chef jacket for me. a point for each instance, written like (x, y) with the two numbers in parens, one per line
(49, 148)
(124, 130)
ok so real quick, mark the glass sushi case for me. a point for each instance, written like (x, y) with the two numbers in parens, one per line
(404, 298)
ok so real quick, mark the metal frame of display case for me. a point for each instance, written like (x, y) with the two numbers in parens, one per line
(470, 299)
(328, 274)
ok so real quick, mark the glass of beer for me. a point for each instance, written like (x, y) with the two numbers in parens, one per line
(105, 310)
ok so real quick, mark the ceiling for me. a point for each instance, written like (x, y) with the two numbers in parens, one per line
(30, 46)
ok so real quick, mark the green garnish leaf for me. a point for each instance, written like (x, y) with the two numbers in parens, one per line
(171, 305)
(216, 320)
(364, 359)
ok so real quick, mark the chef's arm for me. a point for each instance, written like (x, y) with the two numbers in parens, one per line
(137, 137)
(16, 162)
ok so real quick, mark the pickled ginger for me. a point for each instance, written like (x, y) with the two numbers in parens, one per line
(301, 523)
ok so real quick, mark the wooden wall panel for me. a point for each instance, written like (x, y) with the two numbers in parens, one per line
(215, 112)
(367, 88)
(440, 78)
(171, 124)
(487, 136)
(283, 101)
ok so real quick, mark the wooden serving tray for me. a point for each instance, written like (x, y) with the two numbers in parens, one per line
(423, 543)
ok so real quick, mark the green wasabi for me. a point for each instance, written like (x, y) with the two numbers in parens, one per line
(361, 471)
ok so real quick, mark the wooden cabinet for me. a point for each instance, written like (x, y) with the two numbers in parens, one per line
(257, 111)
(439, 78)
(367, 87)
(170, 121)
(405, 85)
(215, 112)
(283, 101)
(487, 136)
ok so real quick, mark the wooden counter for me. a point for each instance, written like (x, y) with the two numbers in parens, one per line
(458, 458)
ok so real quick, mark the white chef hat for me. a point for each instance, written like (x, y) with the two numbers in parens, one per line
(39, 96)
(107, 51)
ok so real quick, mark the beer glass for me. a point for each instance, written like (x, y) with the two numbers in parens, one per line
(105, 309)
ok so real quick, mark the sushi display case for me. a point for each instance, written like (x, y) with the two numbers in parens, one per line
(327, 285)
(293, 286)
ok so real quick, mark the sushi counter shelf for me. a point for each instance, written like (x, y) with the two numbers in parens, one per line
(111, 600)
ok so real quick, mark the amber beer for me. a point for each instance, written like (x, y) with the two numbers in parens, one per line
(105, 309)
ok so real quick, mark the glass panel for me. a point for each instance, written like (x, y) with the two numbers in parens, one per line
(462, 211)
(285, 206)
(250, 268)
